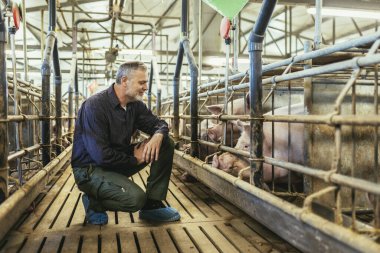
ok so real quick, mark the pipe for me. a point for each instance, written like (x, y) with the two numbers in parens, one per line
(333, 67)
(26, 66)
(45, 72)
(184, 18)
(193, 96)
(58, 100)
(318, 24)
(265, 207)
(12, 32)
(299, 58)
(52, 15)
(150, 86)
(12, 209)
(176, 77)
(3, 112)
(255, 90)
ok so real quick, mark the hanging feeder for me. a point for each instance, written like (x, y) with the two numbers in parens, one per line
(228, 9)
(16, 11)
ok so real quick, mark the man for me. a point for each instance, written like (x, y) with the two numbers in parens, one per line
(103, 157)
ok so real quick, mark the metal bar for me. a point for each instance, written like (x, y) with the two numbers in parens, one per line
(15, 206)
(58, 100)
(3, 112)
(255, 90)
(176, 80)
(193, 95)
(318, 24)
(24, 40)
(45, 72)
(266, 208)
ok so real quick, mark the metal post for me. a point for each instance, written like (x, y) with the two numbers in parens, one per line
(255, 91)
(200, 41)
(226, 93)
(236, 30)
(176, 80)
(58, 98)
(308, 102)
(12, 33)
(26, 66)
(318, 24)
(3, 113)
(42, 34)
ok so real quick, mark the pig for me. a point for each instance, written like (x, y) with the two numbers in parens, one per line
(236, 109)
(296, 151)
(232, 164)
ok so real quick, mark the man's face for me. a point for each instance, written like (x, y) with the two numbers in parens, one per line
(136, 85)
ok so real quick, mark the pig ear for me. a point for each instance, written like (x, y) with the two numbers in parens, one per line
(215, 161)
(211, 134)
(215, 109)
(238, 124)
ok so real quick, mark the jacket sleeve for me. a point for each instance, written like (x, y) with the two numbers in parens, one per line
(96, 139)
(149, 123)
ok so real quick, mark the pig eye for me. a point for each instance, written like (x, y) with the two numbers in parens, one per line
(246, 146)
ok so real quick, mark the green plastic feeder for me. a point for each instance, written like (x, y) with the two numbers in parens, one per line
(228, 8)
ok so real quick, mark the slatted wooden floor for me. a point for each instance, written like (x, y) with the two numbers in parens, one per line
(208, 224)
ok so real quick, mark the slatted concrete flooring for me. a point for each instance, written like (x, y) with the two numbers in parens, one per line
(208, 224)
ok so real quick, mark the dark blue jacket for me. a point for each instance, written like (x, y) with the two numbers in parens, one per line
(103, 131)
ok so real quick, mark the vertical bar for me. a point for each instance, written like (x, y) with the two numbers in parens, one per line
(333, 31)
(286, 32)
(12, 32)
(42, 34)
(200, 41)
(353, 165)
(133, 27)
(58, 98)
(289, 135)
(318, 24)
(236, 44)
(290, 28)
(26, 66)
(255, 91)
(376, 148)
(3, 113)
(308, 103)
(226, 89)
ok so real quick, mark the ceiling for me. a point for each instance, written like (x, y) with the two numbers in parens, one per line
(290, 26)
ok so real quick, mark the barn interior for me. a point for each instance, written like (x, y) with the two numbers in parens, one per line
(273, 107)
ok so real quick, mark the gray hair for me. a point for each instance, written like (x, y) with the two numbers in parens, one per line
(127, 68)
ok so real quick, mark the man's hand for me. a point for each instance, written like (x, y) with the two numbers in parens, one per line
(152, 148)
(138, 152)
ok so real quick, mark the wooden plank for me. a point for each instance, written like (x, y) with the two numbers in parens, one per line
(197, 199)
(146, 241)
(55, 208)
(109, 242)
(51, 244)
(236, 239)
(170, 198)
(15, 241)
(271, 237)
(32, 244)
(71, 243)
(79, 214)
(124, 219)
(163, 240)
(218, 240)
(68, 209)
(90, 243)
(182, 240)
(127, 242)
(206, 198)
(200, 239)
(35, 216)
(260, 243)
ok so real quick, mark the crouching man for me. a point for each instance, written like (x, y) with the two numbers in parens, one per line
(103, 158)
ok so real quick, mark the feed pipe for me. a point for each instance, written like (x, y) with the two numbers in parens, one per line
(12, 32)
(149, 94)
(193, 96)
(176, 77)
(3, 112)
(255, 90)
(45, 72)
(299, 58)
(13, 207)
(75, 49)
(333, 67)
